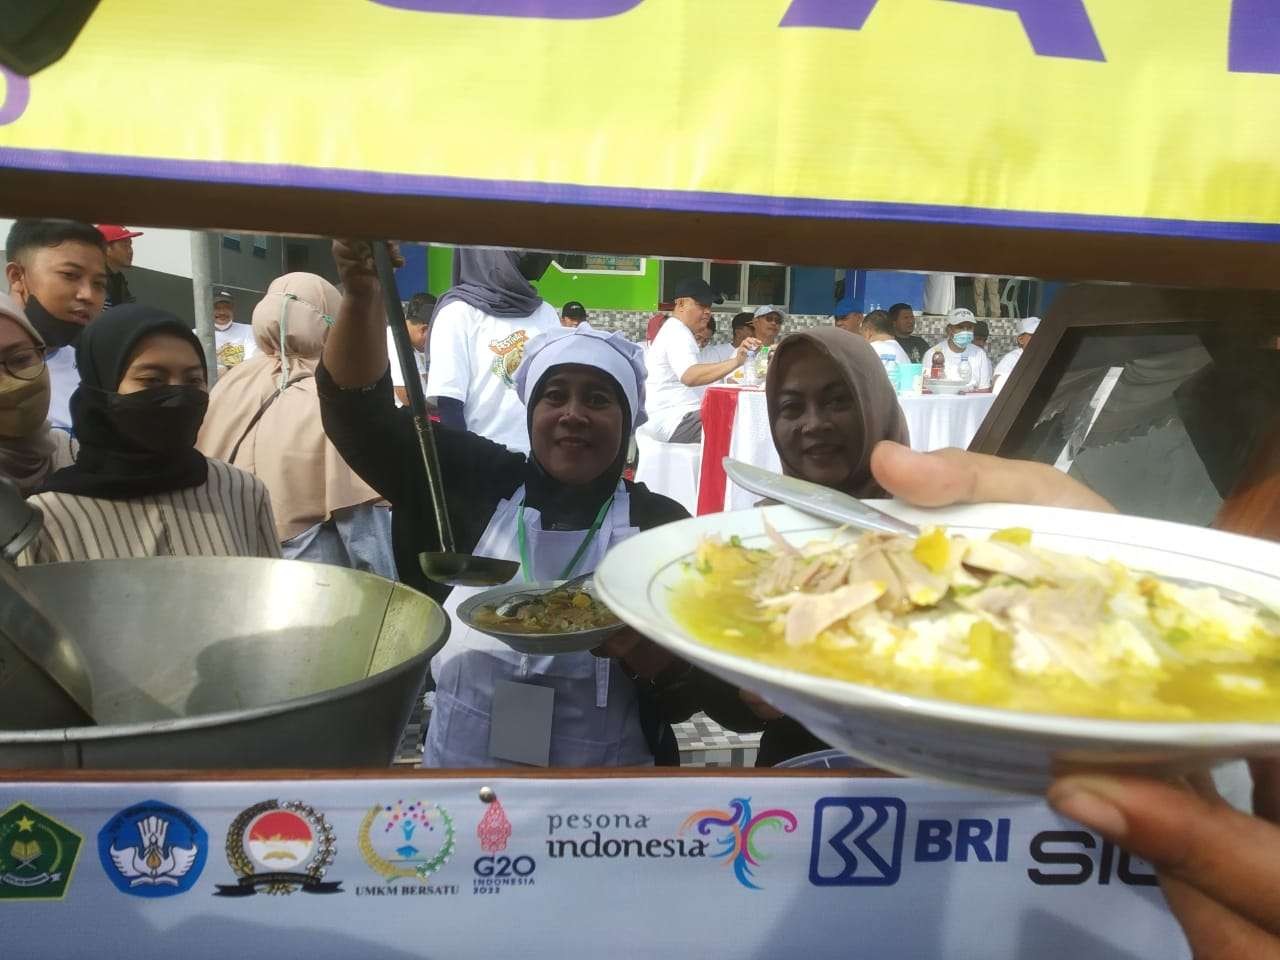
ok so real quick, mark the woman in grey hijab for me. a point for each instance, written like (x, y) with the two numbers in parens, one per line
(478, 336)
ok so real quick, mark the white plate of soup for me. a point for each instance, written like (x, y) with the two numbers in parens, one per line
(1016, 734)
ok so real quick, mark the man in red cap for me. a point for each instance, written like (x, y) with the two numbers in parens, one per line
(119, 255)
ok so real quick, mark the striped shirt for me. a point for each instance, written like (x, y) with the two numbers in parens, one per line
(227, 516)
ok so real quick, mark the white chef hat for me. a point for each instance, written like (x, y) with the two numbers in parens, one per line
(611, 353)
(1029, 326)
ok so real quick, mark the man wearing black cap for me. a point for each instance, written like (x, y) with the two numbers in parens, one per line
(672, 402)
(573, 314)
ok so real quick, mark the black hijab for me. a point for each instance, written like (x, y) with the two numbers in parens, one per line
(562, 506)
(110, 465)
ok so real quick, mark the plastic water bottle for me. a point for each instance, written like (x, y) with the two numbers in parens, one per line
(966, 371)
(750, 373)
(891, 371)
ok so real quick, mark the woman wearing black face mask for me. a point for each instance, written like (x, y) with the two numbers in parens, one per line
(139, 488)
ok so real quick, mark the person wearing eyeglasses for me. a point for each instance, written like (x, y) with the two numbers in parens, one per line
(264, 417)
(29, 449)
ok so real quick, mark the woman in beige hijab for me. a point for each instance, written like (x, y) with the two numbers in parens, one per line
(264, 417)
(829, 403)
(29, 449)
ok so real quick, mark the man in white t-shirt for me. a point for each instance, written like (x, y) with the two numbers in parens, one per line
(959, 347)
(234, 342)
(1026, 329)
(417, 317)
(881, 334)
(478, 337)
(675, 373)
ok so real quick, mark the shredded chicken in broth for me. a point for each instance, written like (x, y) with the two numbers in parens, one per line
(560, 611)
(997, 622)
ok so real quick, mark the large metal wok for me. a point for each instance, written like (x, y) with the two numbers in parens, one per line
(233, 662)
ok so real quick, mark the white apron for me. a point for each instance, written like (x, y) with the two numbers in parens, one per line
(596, 720)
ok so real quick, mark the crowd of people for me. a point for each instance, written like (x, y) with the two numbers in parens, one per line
(304, 450)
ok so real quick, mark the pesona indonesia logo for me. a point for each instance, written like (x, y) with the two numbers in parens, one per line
(733, 837)
(868, 841)
(615, 836)
(498, 869)
(738, 834)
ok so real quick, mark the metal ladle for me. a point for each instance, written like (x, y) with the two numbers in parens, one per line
(445, 565)
(44, 677)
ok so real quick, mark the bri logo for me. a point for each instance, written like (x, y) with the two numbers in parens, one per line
(857, 841)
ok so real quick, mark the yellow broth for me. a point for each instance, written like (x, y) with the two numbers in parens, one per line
(716, 607)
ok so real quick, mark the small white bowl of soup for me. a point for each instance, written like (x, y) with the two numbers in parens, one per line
(1014, 732)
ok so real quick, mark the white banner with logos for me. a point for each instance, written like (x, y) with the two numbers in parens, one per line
(639, 867)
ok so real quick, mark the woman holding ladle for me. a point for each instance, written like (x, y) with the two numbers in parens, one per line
(555, 512)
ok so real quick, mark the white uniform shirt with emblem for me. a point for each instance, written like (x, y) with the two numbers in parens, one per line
(979, 364)
(474, 358)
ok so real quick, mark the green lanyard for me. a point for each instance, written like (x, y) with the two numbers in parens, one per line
(526, 565)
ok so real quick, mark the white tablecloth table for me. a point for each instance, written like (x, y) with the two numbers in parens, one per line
(937, 422)
(934, 422)
(670, 469)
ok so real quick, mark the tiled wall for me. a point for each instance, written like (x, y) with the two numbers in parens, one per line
(632, 325)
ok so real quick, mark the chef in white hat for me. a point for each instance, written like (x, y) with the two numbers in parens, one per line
(565, 505)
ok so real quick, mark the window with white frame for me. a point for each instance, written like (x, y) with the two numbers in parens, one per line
(598, 263)
(740, 284)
